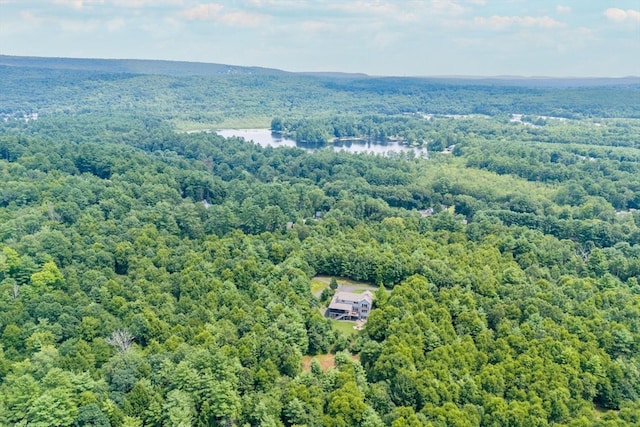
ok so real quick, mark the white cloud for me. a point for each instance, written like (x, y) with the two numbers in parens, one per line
(77, 4)
(448, 7)
(277, 3)
(243, 19)
(621, 15)
(357, 30)
(498, 22)
(410, 10)
(214, 12)
(377, 8)
(371, 7)
(66, 25)
(202, 12)
(563, 9)
(144, 3)
(585, 33)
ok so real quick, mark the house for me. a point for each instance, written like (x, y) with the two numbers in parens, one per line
(426, 212)
(350, 306)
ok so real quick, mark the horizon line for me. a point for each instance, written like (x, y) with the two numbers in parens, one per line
(346, 73)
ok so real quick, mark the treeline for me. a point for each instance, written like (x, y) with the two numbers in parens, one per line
(410, 129)
(437, 132)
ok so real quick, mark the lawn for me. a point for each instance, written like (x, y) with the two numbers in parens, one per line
(344, 326)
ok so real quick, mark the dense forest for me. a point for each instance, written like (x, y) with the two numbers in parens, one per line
(155, 277)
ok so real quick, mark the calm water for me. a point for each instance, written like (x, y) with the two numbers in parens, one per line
(265, 138)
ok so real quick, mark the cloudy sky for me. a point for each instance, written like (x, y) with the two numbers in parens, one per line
(381, 37)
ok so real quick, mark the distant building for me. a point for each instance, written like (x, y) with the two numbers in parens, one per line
(350, 306)
(431, 210)
(426, 212)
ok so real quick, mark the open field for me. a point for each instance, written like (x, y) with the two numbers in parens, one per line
(253, 122)
(320, 283)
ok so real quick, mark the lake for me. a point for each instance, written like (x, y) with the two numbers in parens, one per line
(265, 138)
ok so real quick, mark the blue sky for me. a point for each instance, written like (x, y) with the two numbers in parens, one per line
(419, 38)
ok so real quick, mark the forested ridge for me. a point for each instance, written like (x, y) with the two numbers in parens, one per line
(153, 277)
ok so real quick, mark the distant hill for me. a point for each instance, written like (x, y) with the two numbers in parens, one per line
(184, 69)
(136, 66)
(550, 82)
(194, 92)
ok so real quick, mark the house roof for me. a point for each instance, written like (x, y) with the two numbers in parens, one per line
(340, 306)
(352, 297)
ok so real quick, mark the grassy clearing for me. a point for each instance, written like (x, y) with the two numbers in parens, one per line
(344, 326)
(353, 285)
(183, 126)
(320, 283)
(327, 361)
(257, 122)
(254, 122)
(317, 286)
(341, 281)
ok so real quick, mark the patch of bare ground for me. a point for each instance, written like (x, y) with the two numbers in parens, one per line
(326, 361)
